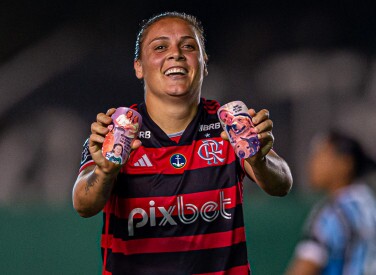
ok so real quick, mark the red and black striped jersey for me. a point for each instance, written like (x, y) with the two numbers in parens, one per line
(176, 208)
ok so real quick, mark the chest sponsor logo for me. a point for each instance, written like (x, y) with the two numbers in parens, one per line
(211, 151)
(178, 161)
(208, 127)
(187, 213)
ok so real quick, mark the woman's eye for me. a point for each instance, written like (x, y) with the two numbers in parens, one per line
(188, 46)
(160, 47)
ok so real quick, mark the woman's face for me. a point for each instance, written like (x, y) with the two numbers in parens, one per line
(172, 62)
(325, 165)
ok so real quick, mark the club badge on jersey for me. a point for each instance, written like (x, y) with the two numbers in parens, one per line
(178, 161)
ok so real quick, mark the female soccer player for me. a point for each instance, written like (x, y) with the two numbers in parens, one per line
(176, 206)
(340, 234)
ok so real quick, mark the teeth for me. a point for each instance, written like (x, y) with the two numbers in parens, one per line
(175, 71)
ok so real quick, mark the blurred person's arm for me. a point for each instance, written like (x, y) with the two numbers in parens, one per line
(303, 267)
(309, 258)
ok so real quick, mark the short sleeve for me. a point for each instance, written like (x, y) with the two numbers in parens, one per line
(324, 238)
(86, 159)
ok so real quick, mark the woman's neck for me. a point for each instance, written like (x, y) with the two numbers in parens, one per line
(337, 186)
(172, 116)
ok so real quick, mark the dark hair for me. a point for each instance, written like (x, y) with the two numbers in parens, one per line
(190, 19)
(349, 146)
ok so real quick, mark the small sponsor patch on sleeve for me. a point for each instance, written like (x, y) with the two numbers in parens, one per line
(85, 156)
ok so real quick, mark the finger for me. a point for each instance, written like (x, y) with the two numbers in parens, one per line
(224, 135)
(266, 149)
(136, 144)
(111, 111)
(260, 116)
(97, 128)
(95, 147)
(265, 126)
(252, 112)
(104, 119)
(265, 137)
(267, 141)
(96, 140)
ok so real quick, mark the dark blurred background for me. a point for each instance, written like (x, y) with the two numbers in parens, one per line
(311, 63)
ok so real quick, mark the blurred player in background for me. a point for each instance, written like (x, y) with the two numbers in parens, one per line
(175, 207)
(340, 234)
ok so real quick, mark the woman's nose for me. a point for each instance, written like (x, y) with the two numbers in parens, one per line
(176, 54)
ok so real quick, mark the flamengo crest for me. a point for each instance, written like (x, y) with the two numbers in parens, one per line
(210, 151)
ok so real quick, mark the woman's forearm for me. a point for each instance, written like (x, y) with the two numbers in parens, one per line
(91, 191)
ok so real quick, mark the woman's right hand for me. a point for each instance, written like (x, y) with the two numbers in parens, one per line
(99, 129)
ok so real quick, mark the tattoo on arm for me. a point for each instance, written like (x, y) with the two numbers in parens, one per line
(89, 183)
(106, 190)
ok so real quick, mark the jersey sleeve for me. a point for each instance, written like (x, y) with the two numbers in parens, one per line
(324, 238)
(86, 159)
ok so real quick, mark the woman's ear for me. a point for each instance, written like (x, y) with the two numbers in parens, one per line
(138, 69)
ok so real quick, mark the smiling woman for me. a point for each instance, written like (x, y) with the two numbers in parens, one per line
(172, 65)
(175, 207)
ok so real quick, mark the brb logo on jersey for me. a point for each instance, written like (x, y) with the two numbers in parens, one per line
(186, 213)
(212, 126)
(210, 151)
(178, 161)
